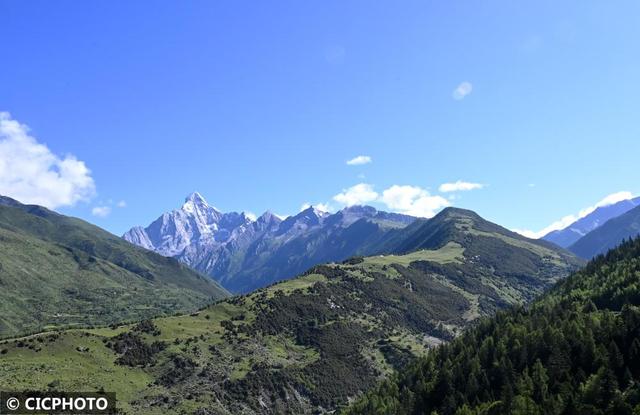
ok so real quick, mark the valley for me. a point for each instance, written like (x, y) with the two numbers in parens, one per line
(319, 208)
(306, 345)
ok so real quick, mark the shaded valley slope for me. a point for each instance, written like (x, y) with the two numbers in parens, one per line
(60, 271)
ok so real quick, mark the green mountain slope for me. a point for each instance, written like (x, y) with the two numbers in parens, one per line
(532, 264)
(306, 345)
(61, 271)
(608, 235)
(574, 351)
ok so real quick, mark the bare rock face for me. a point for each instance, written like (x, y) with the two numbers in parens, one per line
(245, 254)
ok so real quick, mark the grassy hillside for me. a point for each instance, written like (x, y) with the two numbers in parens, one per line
(533, 264)
(574, 351)
(307, 345)
(61, 271)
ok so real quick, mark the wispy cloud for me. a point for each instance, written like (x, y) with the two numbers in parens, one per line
(121, 204)
(565, 221)
(413, 200)
(359, 160)
(356, 195)
(31, 173)
(250, 215)
(101, 211)
(462, 90)
(611, 199)
(459, 186)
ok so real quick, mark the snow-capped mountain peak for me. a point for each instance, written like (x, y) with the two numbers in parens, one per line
(196, 202)
(244, 253)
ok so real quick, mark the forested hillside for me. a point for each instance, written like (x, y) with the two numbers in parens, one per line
(574, 351)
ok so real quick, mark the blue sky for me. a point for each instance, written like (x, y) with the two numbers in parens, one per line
(259, 105)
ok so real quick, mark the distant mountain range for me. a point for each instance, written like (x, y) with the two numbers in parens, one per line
(609, 235)
(570, 235)
(603, 229)
(58, 271)
(313, 343)
(244, 254)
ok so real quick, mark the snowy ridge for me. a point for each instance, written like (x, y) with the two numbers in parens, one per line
(231, 246)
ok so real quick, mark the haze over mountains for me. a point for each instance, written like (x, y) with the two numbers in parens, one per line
(245, 254)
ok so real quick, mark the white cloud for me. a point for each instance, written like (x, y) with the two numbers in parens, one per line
(31, 173)
(611, 199)
(101, 211)
(569, 219)
(413, 200)
(462, 90)
(356, 195)
(250, 215)
(559, 224)
(121, 204)
(527, 233)
(359, 160)
(324, 207)
(459, 186)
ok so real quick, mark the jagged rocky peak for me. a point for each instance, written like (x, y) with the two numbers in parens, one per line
(196, 202)
(311, 215)
(269, 217)
(197, 198)
(317, 211)
(246, 253)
